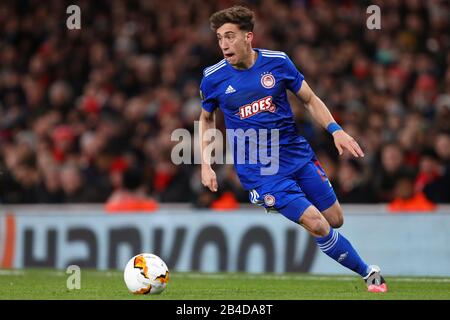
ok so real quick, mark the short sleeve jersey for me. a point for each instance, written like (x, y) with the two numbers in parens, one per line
(258, 117)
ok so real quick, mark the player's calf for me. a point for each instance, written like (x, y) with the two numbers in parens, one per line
(332, 243)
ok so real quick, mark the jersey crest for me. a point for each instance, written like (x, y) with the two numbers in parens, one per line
(268, 81)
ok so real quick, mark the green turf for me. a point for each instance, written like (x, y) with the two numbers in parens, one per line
(51, 284)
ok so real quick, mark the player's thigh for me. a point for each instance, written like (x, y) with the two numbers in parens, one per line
(284, 196)
(295, 208)
(314, 182)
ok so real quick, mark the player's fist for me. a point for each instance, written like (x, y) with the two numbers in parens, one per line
(344, 141)
(209, 178)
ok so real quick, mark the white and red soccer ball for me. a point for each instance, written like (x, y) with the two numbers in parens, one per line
(146, 273)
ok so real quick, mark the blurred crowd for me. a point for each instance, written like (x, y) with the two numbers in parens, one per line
(79, 109)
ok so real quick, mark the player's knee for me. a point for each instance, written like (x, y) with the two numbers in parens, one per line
(313, 221)
(336, 217)
(319, 227)
(337, 222)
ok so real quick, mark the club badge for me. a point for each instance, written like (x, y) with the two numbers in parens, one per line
(268, 81)
(269, 200)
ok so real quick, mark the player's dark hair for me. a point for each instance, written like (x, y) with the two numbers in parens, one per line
(241, 16)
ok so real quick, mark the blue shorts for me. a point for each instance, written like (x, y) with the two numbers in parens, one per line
(291, 195)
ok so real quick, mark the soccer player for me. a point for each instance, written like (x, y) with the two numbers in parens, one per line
(249, 86)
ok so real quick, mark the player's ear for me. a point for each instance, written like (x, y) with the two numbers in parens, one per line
(249, 36)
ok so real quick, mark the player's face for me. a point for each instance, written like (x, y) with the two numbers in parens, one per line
(234, 43)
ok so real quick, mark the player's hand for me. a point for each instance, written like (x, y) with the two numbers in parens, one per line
(209, 178)
(344, 141)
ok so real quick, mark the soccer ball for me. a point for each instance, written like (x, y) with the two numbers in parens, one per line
(146, 273)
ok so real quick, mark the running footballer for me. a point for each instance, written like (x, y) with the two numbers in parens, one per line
(250, 87)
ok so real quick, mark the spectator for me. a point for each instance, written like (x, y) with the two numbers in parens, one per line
(351, 187)
(438, 190)
(131, 195)
(73, 187)
(50, 190)
(430, 170)
(390, 169)
(405, 199)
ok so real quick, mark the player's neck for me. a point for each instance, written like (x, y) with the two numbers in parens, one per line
(248, 62)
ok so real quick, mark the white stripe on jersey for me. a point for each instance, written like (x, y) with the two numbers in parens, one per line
(211, 72)
(214, 67)
(272, 52)
(273, 56)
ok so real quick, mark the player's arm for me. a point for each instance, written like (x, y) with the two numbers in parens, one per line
(207, 121)
(322, 115)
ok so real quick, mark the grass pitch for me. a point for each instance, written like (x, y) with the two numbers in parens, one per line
(106, 285)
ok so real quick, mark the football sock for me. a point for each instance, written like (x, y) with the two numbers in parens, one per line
(337, 247)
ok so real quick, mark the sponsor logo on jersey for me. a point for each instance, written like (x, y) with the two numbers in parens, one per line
(269, 200)
(229, 90)
(261, 105)
(267, 80)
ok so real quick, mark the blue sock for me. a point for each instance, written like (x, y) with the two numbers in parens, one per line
(336, 246)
